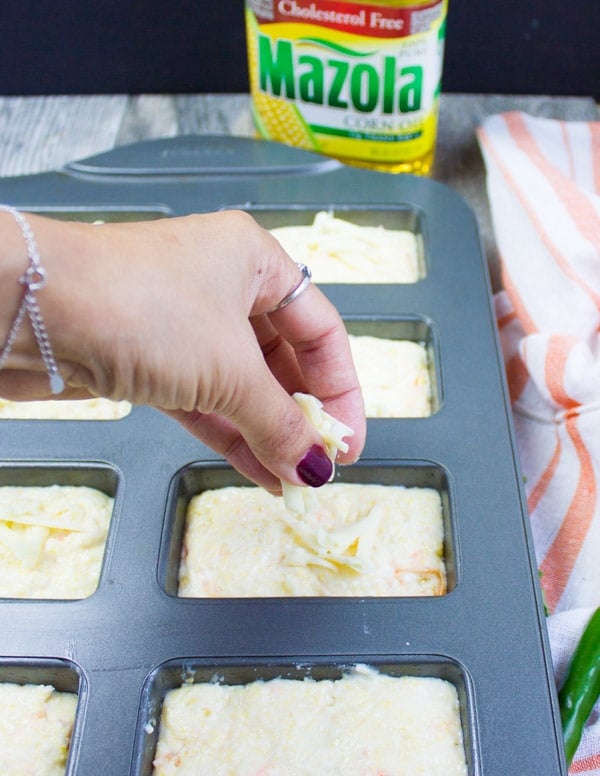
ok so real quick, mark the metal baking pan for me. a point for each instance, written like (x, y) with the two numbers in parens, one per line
(123, 647)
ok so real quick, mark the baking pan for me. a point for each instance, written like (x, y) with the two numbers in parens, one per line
(123, 647)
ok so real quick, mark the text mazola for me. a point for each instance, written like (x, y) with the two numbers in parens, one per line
(338, 83)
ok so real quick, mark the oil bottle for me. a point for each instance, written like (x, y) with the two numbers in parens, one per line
(357, 80)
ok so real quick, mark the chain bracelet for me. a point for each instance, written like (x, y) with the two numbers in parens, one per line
(33, 279)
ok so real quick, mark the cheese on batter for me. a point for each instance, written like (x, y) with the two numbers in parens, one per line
(364, 724)
(361, 540)
(35, 729)
(338, 251)
(52, 540)
(83, 409)
(394, 377)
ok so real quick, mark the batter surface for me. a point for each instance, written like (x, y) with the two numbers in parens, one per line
(35, 729)
(84, 409)
(365, 724)
(394, 377)
(52, 540)
(361, 540)
(338, 251)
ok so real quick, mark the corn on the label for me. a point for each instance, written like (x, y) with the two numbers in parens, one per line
(352, 80)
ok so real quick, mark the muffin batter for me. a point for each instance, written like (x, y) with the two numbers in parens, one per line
(52, 540)
(338, 251)
(394, 377)
(35, 729)
(360, 540)
(365, 724)
(83, 409)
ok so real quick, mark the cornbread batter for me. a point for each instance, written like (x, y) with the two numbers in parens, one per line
(394, 377)
(360, 540)
(83, 409)
(35, 729)
(52, 540)
(365, 724)
(338, 251)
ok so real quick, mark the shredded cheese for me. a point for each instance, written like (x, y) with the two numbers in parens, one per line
(347, 545)
(299, 498)
(364, 539)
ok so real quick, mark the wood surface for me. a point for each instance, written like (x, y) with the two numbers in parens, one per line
(43, 133)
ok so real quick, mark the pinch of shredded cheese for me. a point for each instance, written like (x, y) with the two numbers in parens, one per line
(346, 545)
(299, 498)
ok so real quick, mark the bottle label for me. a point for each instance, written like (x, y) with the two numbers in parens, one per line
(347, 79)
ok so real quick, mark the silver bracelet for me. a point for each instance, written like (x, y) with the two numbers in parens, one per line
(33, 279)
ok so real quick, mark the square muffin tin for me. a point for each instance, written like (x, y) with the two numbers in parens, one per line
(125, 646)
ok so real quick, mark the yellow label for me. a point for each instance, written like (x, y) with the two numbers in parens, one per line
(355, 81)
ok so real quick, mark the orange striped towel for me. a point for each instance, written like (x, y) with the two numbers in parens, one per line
(543, 181)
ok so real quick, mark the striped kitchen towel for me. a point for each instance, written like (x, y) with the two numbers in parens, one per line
(543, 181)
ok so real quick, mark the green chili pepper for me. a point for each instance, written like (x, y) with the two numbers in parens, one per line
(581, 687)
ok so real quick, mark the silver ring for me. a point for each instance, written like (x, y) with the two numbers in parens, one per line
(297, 290)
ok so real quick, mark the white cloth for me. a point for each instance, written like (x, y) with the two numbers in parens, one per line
(543, 181)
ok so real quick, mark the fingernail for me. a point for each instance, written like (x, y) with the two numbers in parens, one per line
(315, 468)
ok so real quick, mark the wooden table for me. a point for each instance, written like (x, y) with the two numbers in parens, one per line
(43, 133)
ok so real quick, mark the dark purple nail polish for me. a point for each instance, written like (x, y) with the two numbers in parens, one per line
(315, 468)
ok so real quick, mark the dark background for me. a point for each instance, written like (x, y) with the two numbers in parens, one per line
(181, 46)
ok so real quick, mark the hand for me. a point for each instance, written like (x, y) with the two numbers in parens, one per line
(175, 314)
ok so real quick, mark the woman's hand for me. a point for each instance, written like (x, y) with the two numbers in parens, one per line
(175, 314)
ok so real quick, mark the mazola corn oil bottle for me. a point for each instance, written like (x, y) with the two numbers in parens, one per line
(357, 80)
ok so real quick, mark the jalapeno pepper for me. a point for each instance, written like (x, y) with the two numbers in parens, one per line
(581, 687)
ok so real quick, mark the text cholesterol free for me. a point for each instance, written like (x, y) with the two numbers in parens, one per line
(374, 21)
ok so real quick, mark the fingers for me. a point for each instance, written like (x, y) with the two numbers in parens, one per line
(306, 347)
(314, 330)
(222, 436)
(273, 425)
(279, 355)
(260, 420)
